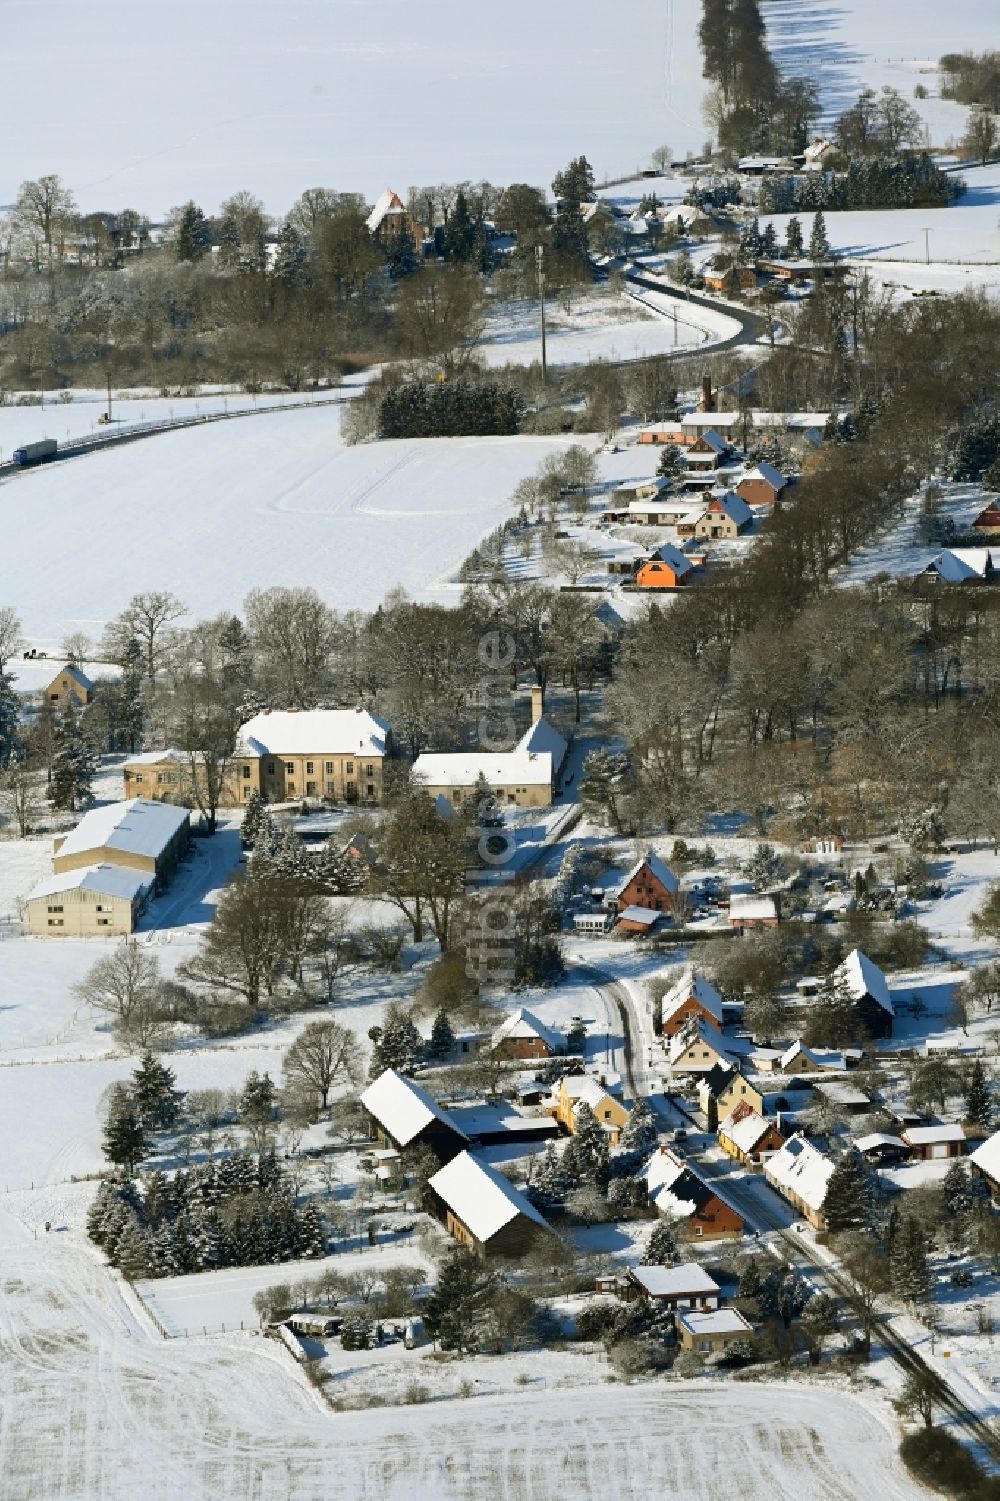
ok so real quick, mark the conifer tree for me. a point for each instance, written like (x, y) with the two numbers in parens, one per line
(850, 1197)
(131, 714)
(290, 257)
(154, 1094)
(908, 1268)
(253, 817)
(794, 244)
(72, 763)
(585, 1158)
(124, 1139)
(819, 244)
(10, 715)
(442, 1043)
(194, 236)
(639, 1133)
(550, 1178)
(661, 1248)
(450, 1310)
(397, 1042)
(978, 1105)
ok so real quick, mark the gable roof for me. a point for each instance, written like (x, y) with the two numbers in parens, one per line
(712, 440)
(103, 880)
(403, 1108)
(748, 906)
(387, 202)
(956, 565)
(78, 675)
(500, 768)
(746, 1132)
(819, 1057)
(482, 1198)
(863, 977)
(698, 1030)
(802, 1169)
(674, 1187)
(542, 738)
(299, 732)
(733, 506)
(674, 1281)
(767, 472)
(987, 1157)
(718, 1078)
(692, 986)
(925, 1136)
(657, 868)
(137, 827)
(673, 558)
(524, 1023)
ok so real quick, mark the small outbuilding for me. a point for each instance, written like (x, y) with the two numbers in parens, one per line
(483, 1210)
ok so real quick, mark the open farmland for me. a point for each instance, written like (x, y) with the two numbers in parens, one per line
(93, 1404)
(211, 513)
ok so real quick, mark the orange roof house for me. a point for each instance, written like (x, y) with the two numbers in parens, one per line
(667, 568)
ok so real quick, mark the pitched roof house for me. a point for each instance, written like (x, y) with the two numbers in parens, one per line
(94, 899)
(678, 1191)
(144, 836)
(685, 1286)
(70, 682)
(936, 1143)
(667, 568)
(799, 1059)
(333, 753)
(483, 1210)
(748, 911)
(961, 565)
(577, 1089)
(697, 1048)
(747, 1137)
(522, 1035)
(988, 520)
(691, 998)
(868, 987)
(762, 485)
(401, 1114)
(800, 1173)
(726, 516)
(713, 1333)
(985, 1160)
(722, 1089)
(650, 883)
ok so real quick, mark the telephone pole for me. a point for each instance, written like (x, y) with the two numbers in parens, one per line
(540, 266)
(927, 247)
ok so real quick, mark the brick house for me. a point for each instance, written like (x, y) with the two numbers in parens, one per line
(692, 998)
(677, 1190)
(650, 884)
(522, 1035)
(762, 486)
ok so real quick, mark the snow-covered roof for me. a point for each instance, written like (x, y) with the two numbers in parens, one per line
(802, 1170)
(645, 916)
(697, 1031)
(403, 1108)
(674, 1187)
(137, 827)
(687, 1280)
(584, 1087)
(103, 880)
(524, 1023)
(712, 440)
(387, 202)
(818, 1057)
(717, 1321)
(710, 419)
(863, 977)
(767, 472)
(748, 907)
(155, 758)
(732, 506)
(678, 506)
(746, 1132)
(692, 986)
(878, 1139)
(542, 738)
(956, 565)
(320, 732)
(648, 488)
(500, 768)
(482, 1198)
(674, 559)
(925, 1136)
(987, 1157)
(840, 1093)
(657, 868)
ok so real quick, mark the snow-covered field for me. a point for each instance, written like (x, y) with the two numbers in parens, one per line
(92, 1406)
(604, 327)
(900, 552)
(847, 45)
(212, 512)
(352, 95)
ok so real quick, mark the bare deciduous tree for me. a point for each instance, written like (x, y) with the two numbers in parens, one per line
(322, 1054)
(126, 984)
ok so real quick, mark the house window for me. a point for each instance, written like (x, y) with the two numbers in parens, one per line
(138, 776)
(369, 771)
(246, 772)
(328, 768)
(289, 768)
(697, 1229)
(270, 768)
(349, 768)
(55, 922)
(349, 792)
(705, 1345)
(290, 789)
(246, 792)
(310, 768)
(329, 789)
(104, 922)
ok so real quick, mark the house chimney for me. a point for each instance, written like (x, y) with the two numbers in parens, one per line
(707, 399)
(537, 702)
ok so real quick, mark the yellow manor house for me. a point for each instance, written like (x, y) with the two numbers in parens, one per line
(282, 754)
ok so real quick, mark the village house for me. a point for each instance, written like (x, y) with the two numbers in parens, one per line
(522, 1035)
(665, 511)
(730, 281)
(138, 835)
(70, 682)
(866, 984)
(666, 568)
(483, 1210)
(691, 998)
(696, 1049)
(390, 218)
(747, 1137)
(713, 1333)
(524, 777)
(726, 516)
(985, 1162)
(988, 520)
(107, 900)
(640, 490)
(677, 1191)
(577, 1089)
(846, 1098)
(960, 565)
(800, 1059)
(800, 1172)
(671, 1287)
(879, 1148)
(725, 425)
(748, 911)
(722, 1089)
(401, 1114)
(282, 754)
(762, 485)
(650, 883)
(703, 459)
(935, 1143)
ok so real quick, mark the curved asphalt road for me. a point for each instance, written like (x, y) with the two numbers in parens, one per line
(752, 326)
